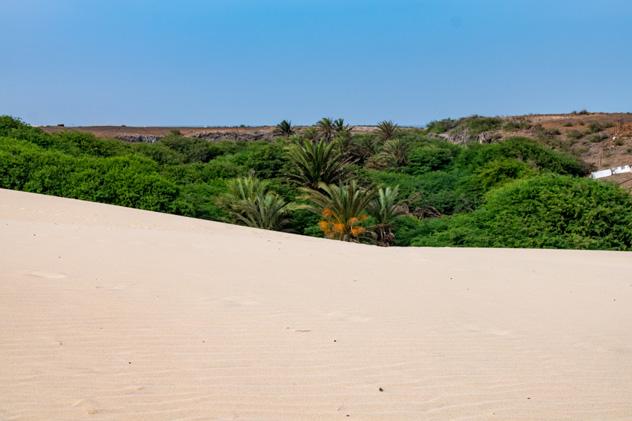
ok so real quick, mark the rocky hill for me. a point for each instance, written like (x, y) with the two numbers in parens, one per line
(602, 140)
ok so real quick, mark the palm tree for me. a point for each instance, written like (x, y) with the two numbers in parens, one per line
(284, 128)
(340, 128)
(268, 211)
(246, 188)
(250, 203)
(342, 209)
(343, 136)
(387, 130)
(398, 150)
(385, 208)
(362, 147)
(315, 162)
(393, 154)
(326, 128)
(310, 133)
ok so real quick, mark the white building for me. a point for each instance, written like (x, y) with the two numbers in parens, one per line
(611, 171)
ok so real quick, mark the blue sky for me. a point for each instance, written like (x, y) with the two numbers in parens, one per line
(236, 62)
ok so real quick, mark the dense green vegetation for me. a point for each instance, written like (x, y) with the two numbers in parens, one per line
(473, 125)
(396, 186)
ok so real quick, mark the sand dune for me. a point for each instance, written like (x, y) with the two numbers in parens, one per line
(109, 313)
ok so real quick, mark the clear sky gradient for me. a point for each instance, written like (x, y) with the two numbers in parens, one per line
(230, 62)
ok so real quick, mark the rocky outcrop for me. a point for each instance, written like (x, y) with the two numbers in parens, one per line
(138, 138)
(214, 136)
(463, 136)
(209, 135)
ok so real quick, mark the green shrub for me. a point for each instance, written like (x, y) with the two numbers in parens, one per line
(222, 167)
(361, 147)
(126, 181)
(197, 150)
(547, 211)
(541, 132)
(432, 156)
(574, 134)
(7, 123)
(441, 126)
(409, 228)
(437, 191)
(477, 124)
(526, 150)
(597, 137)
(516, 124)
(500, 171)
(203, 200)
(596, 126)
(266, 159)
(160, 153)
(80, 143)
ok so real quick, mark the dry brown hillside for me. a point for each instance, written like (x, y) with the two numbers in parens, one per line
(602, 140)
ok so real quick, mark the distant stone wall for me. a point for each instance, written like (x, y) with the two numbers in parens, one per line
(233, 136)
(138, 138)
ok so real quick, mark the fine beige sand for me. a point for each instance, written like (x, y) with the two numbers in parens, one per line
(109, 313)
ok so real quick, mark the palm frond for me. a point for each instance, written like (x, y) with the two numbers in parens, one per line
(249, 203)
(284, 128)
(315, 162)
(385, 208)
(343, 209)
(326, 128)
(387, 130)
